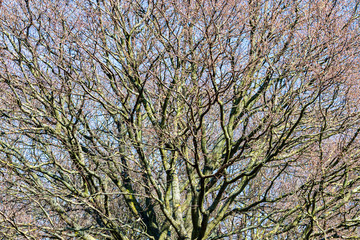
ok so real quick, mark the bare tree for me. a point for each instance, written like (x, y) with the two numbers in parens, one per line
(199, 119)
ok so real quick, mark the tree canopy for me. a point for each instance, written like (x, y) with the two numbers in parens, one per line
(169, 119)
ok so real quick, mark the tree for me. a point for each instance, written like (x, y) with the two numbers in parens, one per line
(206, 119)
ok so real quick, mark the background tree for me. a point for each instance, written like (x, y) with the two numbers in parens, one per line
(179, 119)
